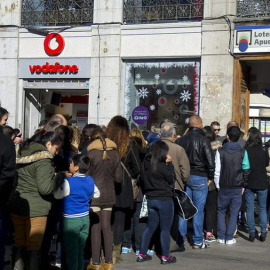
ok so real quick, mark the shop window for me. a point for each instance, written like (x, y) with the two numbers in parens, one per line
(169, 90)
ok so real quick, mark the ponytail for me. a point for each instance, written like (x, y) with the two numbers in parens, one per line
(42, 137)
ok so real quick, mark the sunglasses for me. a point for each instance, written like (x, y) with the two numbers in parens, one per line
(216, 129)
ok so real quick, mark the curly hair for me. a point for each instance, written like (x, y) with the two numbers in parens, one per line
(118, 131)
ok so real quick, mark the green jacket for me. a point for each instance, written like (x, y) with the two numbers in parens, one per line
(34, 182)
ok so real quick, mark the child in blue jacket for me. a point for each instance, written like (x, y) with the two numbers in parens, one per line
(76, 192)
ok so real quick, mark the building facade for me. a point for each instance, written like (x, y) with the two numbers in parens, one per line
(144, 59)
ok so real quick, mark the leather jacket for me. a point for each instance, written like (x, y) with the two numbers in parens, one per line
(199, 152)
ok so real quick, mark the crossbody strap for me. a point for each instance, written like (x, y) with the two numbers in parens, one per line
(126, 169)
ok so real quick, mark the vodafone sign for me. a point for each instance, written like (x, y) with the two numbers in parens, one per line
(54, 66)
(60, 47)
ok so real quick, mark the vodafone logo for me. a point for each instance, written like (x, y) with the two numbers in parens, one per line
(60, 41)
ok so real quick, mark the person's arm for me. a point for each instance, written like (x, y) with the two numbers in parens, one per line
(217, 169)
(62, 191)
(184, 165)
(245, 168)
(8, 165)
(96, 193)
(209, 162)
(168, 172)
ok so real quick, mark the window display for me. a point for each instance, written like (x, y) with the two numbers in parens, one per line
(169, 90)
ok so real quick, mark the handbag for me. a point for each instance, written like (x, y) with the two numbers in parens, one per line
(183, 205)
(135, 188)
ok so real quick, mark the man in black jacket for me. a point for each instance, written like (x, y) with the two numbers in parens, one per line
(199, 152)
(7, 173)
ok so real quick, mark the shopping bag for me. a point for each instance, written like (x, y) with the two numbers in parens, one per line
(144, 208)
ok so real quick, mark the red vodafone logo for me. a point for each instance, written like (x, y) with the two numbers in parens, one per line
(60, 41)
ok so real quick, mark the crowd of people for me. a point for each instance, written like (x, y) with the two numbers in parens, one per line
(77, 187)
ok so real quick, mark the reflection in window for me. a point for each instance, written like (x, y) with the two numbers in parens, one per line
(169, 90)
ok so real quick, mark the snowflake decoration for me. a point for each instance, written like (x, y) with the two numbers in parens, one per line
(143, 92)
(185, 96)
(185, 79)
(187, 120)
(152, 107)
(158, 92)
(157, 76)
(138, 76)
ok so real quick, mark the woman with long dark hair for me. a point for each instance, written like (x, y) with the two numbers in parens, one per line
(157, 177)
(118, 131)
(86, 137)
(29, 203)
(106, 169)
(257, 183)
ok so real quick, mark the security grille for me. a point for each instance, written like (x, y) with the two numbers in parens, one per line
(57, 12)
(253, 8)
(147, 11)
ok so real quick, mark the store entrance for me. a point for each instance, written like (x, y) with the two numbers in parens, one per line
(253, 94)
(43, 103)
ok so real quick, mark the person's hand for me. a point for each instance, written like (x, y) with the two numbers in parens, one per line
(169, 158)
(68, 174)
(243, 190)
(209, 182)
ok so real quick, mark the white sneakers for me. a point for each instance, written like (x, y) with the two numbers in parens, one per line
(221, 241)
(230, 242)
(227, 242)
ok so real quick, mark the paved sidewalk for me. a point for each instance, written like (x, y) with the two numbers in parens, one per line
(243, 255)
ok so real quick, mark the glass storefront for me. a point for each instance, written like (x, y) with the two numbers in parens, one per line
(169, 90)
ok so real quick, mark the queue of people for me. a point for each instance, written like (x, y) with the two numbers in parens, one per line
(79, 187)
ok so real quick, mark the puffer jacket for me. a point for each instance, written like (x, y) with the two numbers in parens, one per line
(105, 172)
(199, 152)
(34, 182)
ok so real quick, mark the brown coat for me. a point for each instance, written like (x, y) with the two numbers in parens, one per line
(105, 172)
(180, 162)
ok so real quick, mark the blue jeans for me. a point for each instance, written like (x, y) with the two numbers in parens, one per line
(262, 197)
(197, 190)
(160, 212)
(232, 199)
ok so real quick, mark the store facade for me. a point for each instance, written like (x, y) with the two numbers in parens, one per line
(251, 78)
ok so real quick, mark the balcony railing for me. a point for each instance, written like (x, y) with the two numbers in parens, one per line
(253, 8)
(147, 11)
(57, 12)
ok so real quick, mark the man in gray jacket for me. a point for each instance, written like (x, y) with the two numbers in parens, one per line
(179, 158)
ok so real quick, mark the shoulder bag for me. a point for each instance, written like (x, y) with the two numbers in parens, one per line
(183, 205)
(135, 187)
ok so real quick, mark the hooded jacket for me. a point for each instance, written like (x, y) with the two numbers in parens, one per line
(35, 180)
(232, 166)
(104, 171)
